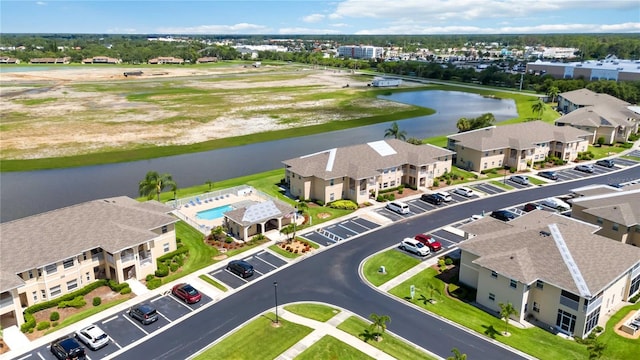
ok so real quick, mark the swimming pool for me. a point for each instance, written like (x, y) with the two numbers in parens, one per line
(212, 214)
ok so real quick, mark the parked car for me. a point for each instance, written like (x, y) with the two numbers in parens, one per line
(549, 175)
(68, 348)
(588, 168)
(414, 246)
(93, 337)
(555, 203)
(464, 191)
(240, 268)
(531, 206)
(431, 243)
(187, 293)
(504, 215)
(399, 207)
(432, 199)
(606, 163)
(144, 313)
(444, 195)
(520, 179)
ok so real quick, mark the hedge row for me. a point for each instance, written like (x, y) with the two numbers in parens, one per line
(67, 300)
(343, 204)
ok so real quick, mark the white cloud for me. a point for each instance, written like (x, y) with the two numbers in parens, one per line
(41, 3)
(122, 31)
(241, 28)
(537, 29)
(313, 18)
(310, 31)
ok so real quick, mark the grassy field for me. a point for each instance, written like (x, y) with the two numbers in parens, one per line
(395, 263)
(533, 341)
(390, 344)
(329, 347)
(272, 340)
(318, 312)
(216, 284)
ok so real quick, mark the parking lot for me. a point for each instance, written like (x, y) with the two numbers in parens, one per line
(124, 330)
(447, 239)
(340, 231)
(263, 263)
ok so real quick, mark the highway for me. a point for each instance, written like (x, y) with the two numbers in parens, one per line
(332, 277)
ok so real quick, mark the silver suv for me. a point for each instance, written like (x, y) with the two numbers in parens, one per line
(414, 246)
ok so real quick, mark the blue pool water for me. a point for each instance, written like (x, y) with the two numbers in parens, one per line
(212, 214)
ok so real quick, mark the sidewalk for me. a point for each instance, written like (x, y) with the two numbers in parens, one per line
(327, 328)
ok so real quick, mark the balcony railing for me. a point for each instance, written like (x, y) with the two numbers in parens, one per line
(6, 300)
(572, 304)
(97, 257)
(593, 304)
(126, 258)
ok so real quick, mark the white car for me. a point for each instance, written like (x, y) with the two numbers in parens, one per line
(445, 196)
(520, 179)
(555, 203)
(464, 191)
(414, 246)
(93, 337)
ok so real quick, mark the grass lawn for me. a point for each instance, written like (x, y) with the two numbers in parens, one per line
(603, 151)
(390, 344)
(395, 263)
(272, 341)
(533, 341)
(617, 346)
(536, 181)
(501, 184)
(329, 347)
(213, 282)
(85, 314)
(318, 312)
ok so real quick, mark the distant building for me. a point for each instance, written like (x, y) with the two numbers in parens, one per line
(166, 60)
(101, 60)
(63, 60)
(207, 59)
(385, 82)
(361, 52)
(8, 60)
(608, 69)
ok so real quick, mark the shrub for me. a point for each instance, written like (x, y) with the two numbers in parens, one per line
(379, 198)
(600, 141)
(117, 287)
(626, 145)
(149, 277)
(448, 261)
(54, 324)
(43, 325)
(163, 270)
(174, 267)
(97, 301)
(343, 204)
(124, 291)
(512, 170)
(154, 284)
(228, 240)
(29, 323)
(392, 197)
(77, 302)
(598, 329)
(55, 316)
(436, 182)
(448, 181)
(178, 259)
(169, 256)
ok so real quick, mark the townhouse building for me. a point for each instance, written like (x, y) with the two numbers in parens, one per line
(166, 60)
(361, 52)
(515, 146)
(359, 172)
(50, 254)
(556, 271)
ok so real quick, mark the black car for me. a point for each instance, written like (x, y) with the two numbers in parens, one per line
(503, 215)
(548, 174)
(144, 313)
(68, 348)
(606, 163)
(531, 206)
(432, 199)
(240, 268)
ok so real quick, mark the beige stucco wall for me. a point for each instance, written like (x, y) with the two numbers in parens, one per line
(468, 274)
(502, 290)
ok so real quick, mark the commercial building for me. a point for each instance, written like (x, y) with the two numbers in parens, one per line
(556, 271)
(48, 255)
(361, 171)
(361, 52)
(608, 69)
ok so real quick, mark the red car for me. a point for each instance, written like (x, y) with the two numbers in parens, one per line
(429, 241)
(187, 293)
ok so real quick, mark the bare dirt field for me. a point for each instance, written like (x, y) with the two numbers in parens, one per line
(71, 111)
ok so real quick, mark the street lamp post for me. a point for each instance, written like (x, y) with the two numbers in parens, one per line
(275, 288)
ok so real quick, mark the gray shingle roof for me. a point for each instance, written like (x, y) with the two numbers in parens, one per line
(517, 136)
(519, 251)
(602, 115)
(259, 212)
(621, 207)
(363, 161)
(112, 224)
(586, 97)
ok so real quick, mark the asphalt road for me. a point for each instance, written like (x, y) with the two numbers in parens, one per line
(332, 277)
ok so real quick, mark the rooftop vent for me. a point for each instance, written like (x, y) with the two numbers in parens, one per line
(545, 233)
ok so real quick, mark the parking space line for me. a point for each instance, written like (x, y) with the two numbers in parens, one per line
(25, 357)
(158, 298)
(179, 301)
(266, 262)
(40, 355)
(87, 356)
(420, 207)
(346, 228)
(362, 226)
(136, 325)
(256, 271)
(239, 277)
(115, 343)
(166, 318)
(110, 319)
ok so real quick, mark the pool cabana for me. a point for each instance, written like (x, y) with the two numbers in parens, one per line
(258, 218)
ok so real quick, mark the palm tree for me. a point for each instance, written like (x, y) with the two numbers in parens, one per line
(553, 93)
(538, 108)
(210, 183)
(463, 124)
(154, 183)
(395, 132)
(457, 355)
(506, 310)
(379, 324)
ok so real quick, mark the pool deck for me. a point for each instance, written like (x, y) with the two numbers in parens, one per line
(189, 211)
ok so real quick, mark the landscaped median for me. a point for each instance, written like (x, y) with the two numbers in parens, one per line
(438, 291)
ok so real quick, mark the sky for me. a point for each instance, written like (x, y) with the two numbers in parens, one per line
(308, 17)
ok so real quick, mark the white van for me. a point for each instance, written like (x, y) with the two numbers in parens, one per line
(399, 207)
